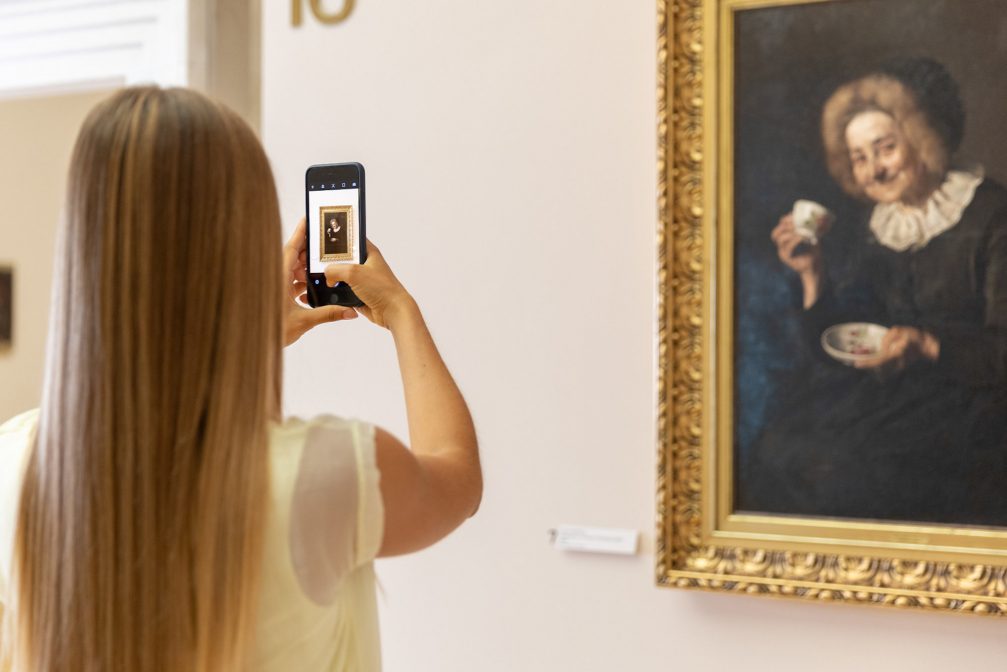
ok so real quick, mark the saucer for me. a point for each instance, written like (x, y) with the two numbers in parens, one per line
(853, 342)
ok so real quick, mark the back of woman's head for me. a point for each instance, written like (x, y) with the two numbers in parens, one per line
(142, 511)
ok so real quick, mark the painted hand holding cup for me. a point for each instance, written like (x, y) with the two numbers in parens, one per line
(811, 220)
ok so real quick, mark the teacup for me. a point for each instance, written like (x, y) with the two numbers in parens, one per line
(811, 220)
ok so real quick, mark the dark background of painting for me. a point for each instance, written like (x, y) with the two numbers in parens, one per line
(787, 62)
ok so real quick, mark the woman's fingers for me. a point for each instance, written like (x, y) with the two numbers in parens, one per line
(787, 244)
(301, 268)
(324, 314)
(296, 289)
(342, 273)
(824, 224)
(307, 319)
(890, 337)
(893, 348)
(786, 224)
(299, 318)
(296, 240)
(786, 241)
(873, 362)
(883, 359)
(294, 247)
(299, 321)
(897, 341)
(886, 355)
(293, 250)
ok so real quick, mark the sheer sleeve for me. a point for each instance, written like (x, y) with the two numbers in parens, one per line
(371, 514)
(336, 518)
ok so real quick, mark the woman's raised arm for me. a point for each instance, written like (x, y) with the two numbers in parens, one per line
(430, 490)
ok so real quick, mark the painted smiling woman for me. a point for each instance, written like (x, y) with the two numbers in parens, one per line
(919, 432)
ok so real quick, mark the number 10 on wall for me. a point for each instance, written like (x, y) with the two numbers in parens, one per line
(323, 16)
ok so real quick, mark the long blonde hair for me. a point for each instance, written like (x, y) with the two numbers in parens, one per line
(142, 516)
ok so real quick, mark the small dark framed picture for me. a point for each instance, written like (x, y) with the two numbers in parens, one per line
(6, 306)
(337, 232)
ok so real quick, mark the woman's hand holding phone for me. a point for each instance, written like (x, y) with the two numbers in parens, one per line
(298, 319)
(385, 299)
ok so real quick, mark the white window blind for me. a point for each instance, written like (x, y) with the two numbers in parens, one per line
(63, 45)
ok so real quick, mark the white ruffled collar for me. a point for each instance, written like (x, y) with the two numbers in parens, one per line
(901, 227)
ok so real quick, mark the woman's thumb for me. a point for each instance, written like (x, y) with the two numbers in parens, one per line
(325, 314)
(341, 273)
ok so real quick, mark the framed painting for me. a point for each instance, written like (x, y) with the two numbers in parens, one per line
(6, 307)
(336, 233)
(832, 398)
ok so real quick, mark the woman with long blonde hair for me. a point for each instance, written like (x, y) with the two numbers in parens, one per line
(156, 513)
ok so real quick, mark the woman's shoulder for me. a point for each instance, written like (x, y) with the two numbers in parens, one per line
(15, 438)
(990, 196)
(986, 214)
(15, 442)
(24, 422)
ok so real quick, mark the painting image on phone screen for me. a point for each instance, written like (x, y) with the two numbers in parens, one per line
(336, 232)
(334, 227)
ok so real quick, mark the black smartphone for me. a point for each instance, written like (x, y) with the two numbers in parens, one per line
(336, 231)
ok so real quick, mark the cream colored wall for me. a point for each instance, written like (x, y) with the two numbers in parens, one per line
(36, 138)
(510, 149)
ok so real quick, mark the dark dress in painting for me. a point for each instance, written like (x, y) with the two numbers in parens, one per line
(335, 234)
(923, 444)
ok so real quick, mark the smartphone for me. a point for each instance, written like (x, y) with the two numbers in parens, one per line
(336, 231)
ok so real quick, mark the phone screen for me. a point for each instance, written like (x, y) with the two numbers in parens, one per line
(336, 227)
(333, 224)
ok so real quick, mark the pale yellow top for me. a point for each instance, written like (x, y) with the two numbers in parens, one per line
(324, 530)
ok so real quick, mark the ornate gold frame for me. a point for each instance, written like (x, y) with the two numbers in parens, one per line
(350, 232)
(701, 543)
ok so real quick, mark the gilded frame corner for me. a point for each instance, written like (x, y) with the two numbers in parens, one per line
(700, 543)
